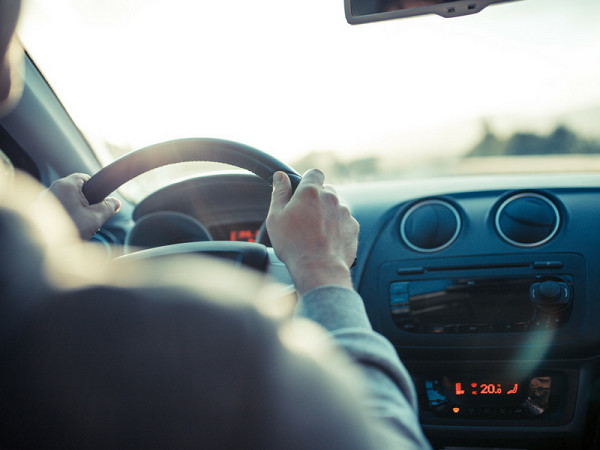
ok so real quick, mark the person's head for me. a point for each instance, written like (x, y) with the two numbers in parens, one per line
(11, 56)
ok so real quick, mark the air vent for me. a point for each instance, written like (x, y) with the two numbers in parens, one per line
(430, 226)
(527, 220)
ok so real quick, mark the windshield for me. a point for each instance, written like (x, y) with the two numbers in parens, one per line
(513, 88)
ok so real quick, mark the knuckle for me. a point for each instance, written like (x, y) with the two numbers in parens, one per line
(330, 197)
(310, 191)
(345, 212)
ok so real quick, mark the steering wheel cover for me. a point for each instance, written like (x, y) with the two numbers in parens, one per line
(135, 163)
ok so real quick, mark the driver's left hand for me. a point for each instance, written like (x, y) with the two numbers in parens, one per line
(87, 218)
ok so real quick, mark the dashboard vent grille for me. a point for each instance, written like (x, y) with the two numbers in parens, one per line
(527, 220)
(430, 225)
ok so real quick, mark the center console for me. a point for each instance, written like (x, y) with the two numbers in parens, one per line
(474, 333)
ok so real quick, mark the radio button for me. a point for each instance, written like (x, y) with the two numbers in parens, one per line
(489, 412)
(399, 299)
(400, 310)
(399, 288)
(550, 296)
(518, 412)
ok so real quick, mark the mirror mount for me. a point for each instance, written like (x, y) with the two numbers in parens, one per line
(364, 11)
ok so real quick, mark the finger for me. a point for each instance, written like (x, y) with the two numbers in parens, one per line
(78, 178)
(83, 176)
(105, 209)
(282, 190)
(313, 177)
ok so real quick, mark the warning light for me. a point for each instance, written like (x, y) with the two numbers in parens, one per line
(455, 410)
(459, 389)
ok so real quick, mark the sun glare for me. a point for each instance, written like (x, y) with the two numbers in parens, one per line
(291, 80)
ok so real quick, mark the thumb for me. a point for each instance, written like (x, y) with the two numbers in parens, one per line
(106, 209)
(282, 190)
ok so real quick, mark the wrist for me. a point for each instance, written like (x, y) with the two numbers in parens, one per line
(309, 274)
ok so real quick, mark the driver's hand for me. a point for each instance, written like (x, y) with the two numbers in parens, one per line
(88, 218)
(311, 232)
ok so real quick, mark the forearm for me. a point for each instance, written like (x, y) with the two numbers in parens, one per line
(390, 392)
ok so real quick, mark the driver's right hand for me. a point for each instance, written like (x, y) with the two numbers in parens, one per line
(312, 232)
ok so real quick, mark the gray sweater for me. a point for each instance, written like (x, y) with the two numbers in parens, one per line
(390, 394)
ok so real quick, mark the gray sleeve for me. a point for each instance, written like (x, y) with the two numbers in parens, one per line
(390, 390)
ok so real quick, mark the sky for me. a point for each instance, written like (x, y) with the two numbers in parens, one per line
(293, 77)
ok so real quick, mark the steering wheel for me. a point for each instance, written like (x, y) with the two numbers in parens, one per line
(133, 164)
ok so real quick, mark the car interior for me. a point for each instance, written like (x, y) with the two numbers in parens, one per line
(475, 177)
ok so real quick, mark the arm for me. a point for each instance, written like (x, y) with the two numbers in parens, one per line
(391, 396)
(317, 239)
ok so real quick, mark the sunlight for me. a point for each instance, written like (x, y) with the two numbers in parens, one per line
(135, 73)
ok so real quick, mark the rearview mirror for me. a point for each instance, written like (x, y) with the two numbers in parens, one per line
(363, 11)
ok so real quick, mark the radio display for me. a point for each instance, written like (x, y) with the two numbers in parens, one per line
(445, 305)
(468, 301)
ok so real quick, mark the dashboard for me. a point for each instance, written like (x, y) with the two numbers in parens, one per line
(486, 286)
(220, 207)
(487, 292)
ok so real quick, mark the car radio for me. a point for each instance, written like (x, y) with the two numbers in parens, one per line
(519, 296)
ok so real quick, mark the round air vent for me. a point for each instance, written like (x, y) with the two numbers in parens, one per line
(527, 220)
(430, 225)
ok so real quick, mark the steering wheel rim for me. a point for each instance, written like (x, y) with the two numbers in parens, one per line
(113, 176)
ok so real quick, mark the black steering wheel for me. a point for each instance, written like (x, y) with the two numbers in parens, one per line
(111, 177)
(133, 164)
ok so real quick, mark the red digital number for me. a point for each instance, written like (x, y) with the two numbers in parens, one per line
(243, 235)
(490, 388)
